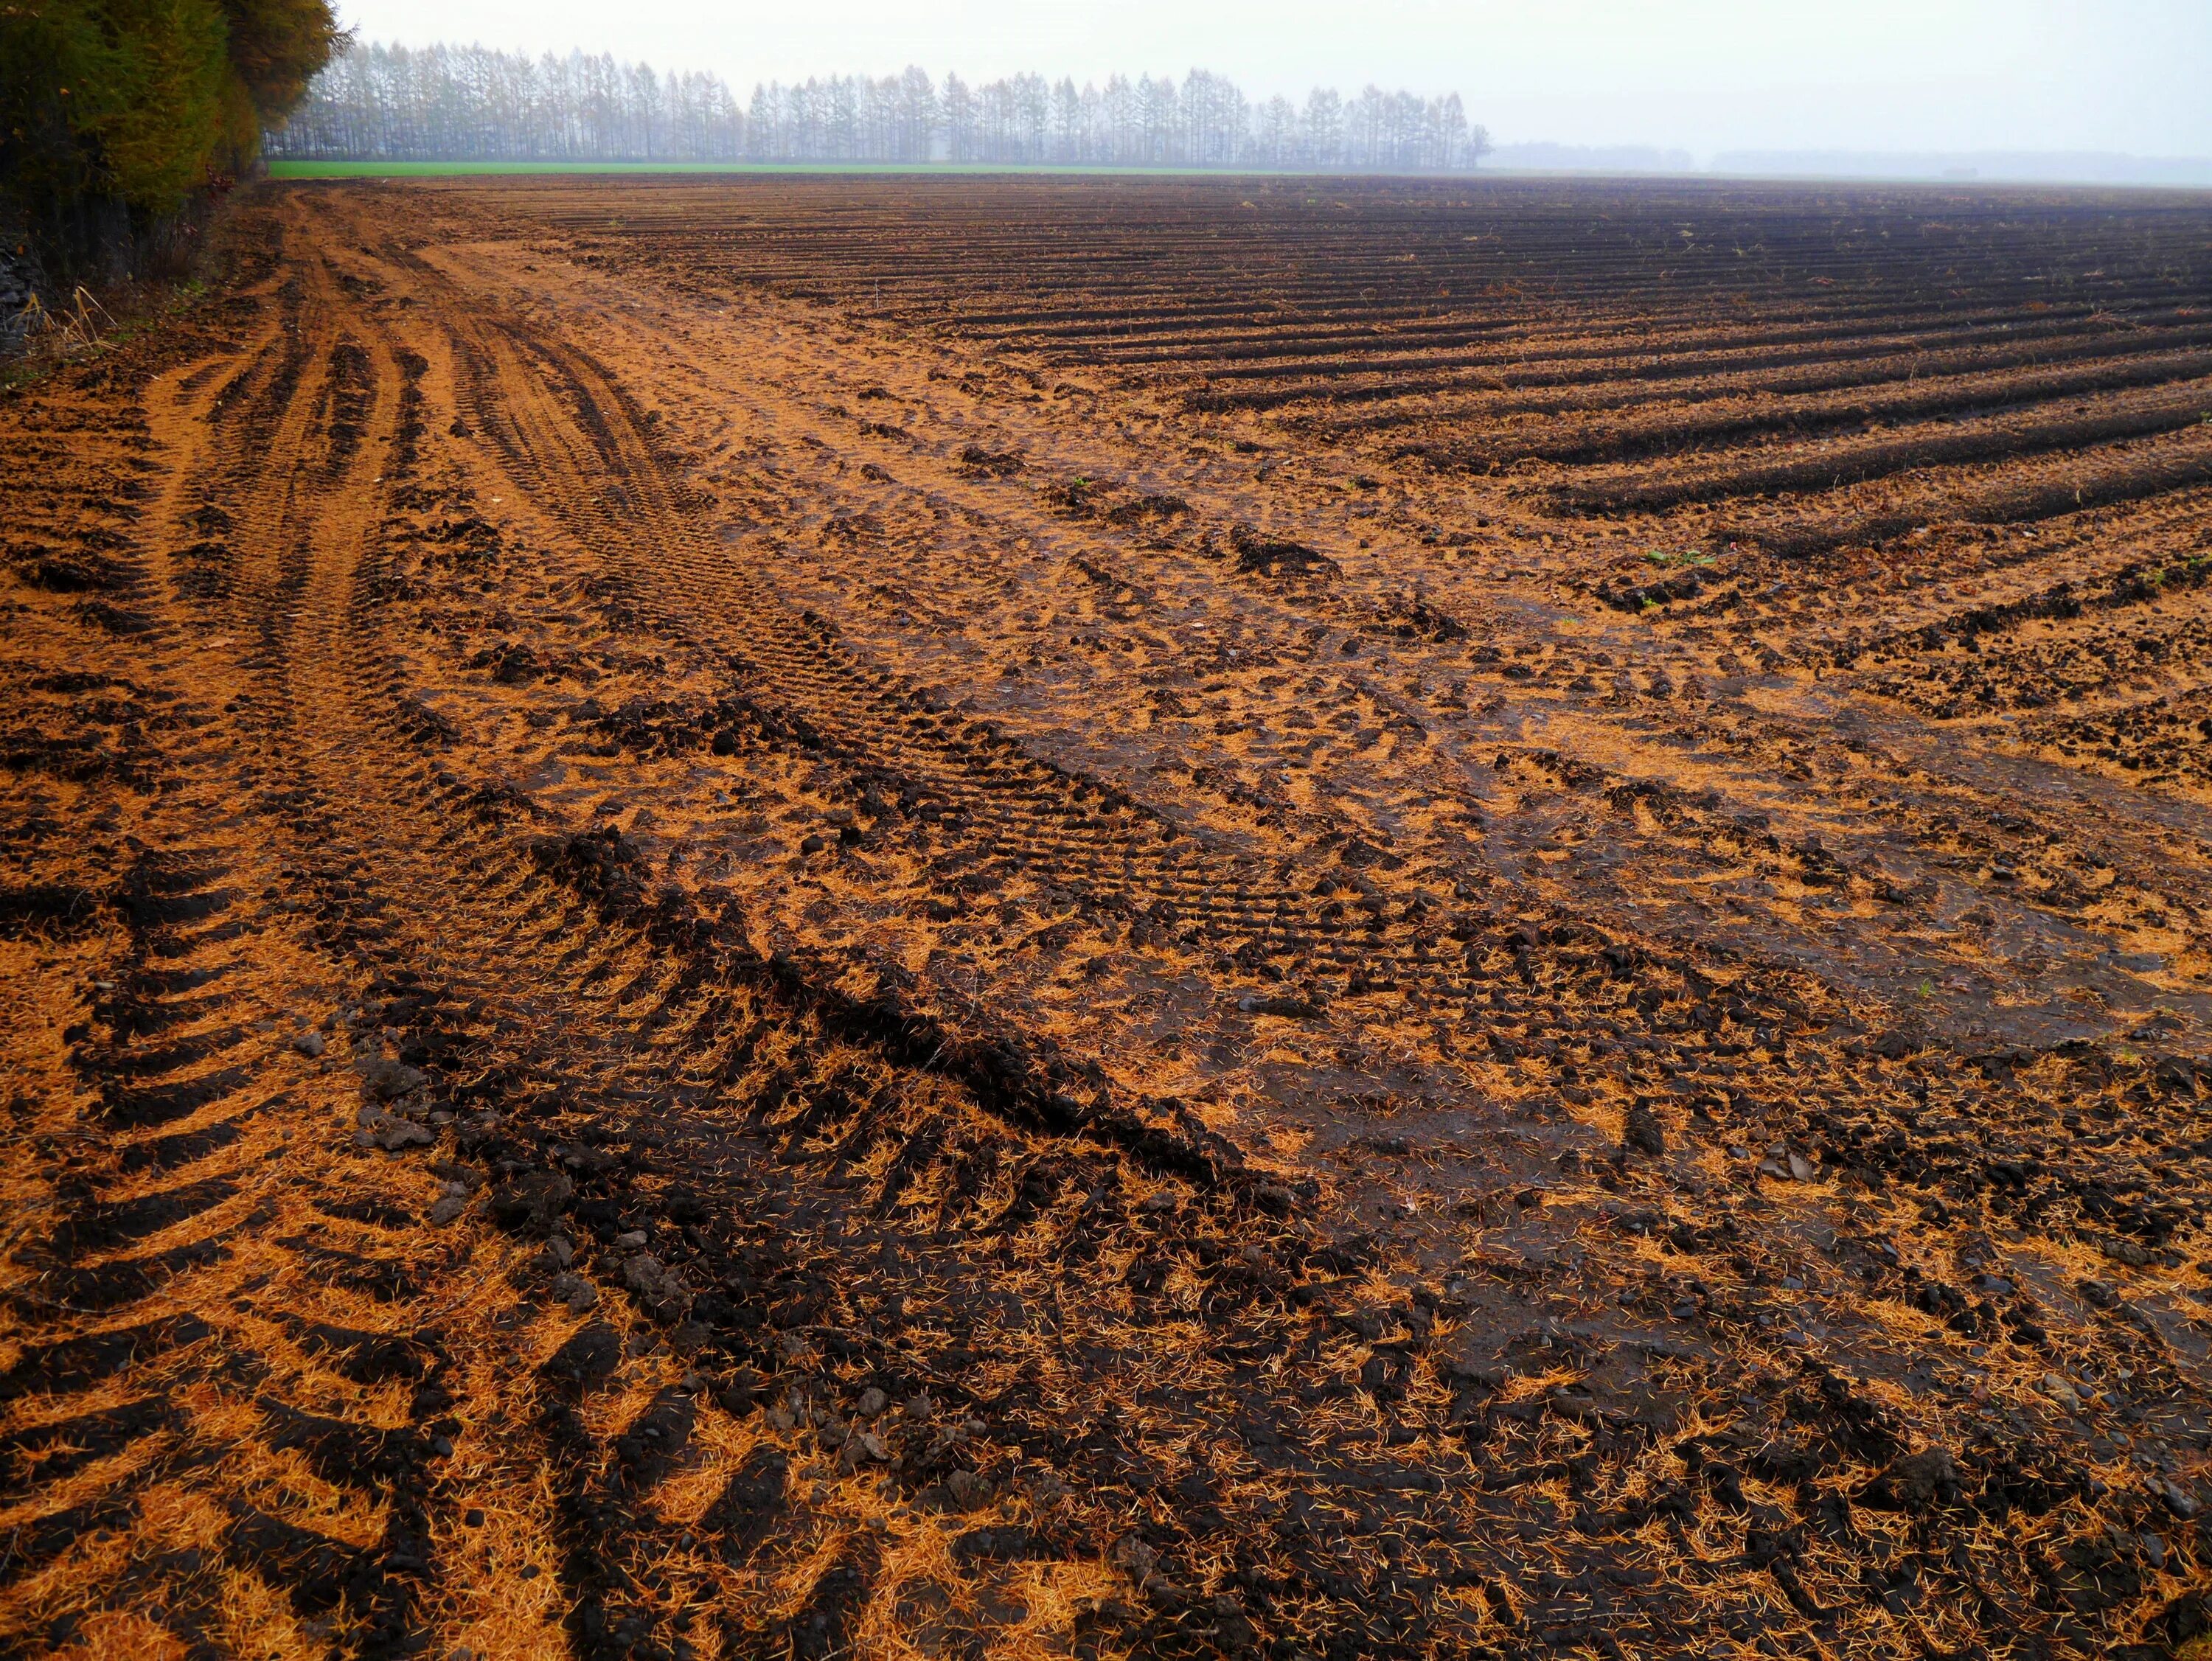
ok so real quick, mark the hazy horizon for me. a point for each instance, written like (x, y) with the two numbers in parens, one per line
(1705, 76)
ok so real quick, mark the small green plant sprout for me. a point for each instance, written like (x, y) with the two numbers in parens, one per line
(1678, 556)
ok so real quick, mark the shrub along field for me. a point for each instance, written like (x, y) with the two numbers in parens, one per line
(1258, 915)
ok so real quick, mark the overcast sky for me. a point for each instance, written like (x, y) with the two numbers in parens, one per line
(1700, 74)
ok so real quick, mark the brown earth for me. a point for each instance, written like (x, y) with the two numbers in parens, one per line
(815, 916)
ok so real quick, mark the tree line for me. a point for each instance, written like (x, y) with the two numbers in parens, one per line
(115, 114)
(391, 103)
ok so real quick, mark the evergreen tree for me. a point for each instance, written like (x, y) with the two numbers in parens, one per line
(136, 104)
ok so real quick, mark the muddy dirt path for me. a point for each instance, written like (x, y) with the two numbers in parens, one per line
(692, 972)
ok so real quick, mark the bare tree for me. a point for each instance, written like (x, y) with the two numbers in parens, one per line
(1275, 133)
(959, 119)
(1324, 125)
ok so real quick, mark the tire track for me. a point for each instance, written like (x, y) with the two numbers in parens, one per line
(559, 422)
(607, 1284)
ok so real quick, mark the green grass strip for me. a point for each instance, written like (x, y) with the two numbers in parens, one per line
(450, 169)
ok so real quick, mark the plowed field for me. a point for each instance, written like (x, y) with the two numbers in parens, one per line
(807, 917)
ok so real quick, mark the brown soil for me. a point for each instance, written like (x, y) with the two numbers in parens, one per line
(805, 916)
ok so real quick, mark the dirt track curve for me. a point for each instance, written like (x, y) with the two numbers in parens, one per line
(798, 917)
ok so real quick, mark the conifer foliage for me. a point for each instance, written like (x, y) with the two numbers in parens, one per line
(130, 107)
